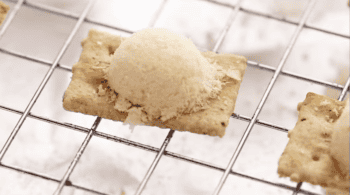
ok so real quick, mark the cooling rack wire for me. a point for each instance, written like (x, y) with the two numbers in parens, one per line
(162, 150)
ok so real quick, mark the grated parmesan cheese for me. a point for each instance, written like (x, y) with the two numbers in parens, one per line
(165, 74)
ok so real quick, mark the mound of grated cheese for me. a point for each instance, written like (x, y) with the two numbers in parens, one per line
(165, 74)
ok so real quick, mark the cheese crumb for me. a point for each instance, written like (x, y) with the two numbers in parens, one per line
(325, 102)
(122, 104)
(134, 118)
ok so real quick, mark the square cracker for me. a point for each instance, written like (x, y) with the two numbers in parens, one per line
(307, 157)
(89, 93)
(3, 11)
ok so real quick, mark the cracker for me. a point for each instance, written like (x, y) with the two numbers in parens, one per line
(306, 157)
(3, 11)
(89, 93)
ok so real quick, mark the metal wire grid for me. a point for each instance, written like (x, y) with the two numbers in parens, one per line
(160, 151)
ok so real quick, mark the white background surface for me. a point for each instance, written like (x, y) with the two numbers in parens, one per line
(114, 168)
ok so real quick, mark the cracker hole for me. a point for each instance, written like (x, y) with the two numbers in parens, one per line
(223, 124)
(303, 119)
(315, 158)
(111, 50)
(325, 135)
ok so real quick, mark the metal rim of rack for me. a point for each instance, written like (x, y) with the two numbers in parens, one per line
(160, 151)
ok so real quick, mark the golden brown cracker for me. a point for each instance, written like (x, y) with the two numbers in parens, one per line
(82, 94)
(306, 157)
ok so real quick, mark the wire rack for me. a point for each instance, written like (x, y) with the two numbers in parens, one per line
(90, 132)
